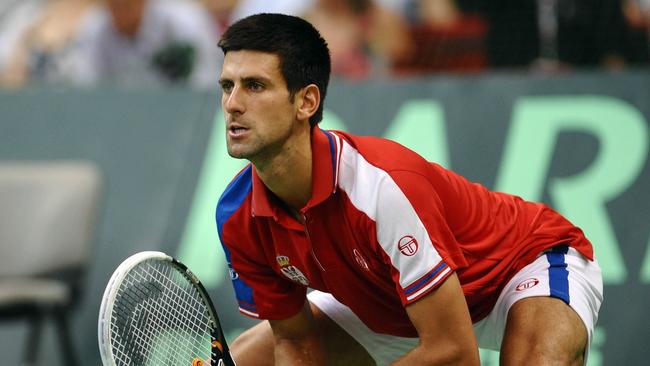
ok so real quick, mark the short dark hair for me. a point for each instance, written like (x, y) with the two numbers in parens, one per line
(304, 56)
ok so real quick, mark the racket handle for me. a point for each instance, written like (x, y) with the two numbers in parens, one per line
(199, 362)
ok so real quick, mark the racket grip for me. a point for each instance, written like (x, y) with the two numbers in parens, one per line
(199, 362)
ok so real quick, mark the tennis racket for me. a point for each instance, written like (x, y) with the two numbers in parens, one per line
(156, 312)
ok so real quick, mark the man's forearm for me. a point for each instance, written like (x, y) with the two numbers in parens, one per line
(420, 356)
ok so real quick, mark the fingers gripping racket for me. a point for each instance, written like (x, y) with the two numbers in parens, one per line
(156, 312)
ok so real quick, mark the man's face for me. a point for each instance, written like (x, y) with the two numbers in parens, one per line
(260, 117)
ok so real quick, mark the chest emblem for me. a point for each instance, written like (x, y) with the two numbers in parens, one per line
(292, 272)
(407, 245)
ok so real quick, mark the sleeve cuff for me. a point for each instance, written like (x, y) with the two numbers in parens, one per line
(426, 283)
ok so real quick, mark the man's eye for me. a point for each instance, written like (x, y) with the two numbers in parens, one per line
(226, 87)
(255, 86)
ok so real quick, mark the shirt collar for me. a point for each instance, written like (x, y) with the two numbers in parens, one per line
(326, 147)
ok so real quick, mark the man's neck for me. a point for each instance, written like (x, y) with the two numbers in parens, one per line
(289, 174)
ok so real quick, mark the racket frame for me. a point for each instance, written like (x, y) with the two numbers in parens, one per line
(219, 356)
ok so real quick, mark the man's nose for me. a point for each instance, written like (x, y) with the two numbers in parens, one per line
(233, 102)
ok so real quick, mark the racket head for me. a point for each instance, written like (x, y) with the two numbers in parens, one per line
(133, 314)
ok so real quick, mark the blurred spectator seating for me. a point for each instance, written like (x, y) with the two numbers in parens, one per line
(590, 33)
(245, 8)
(221, 12)
(47, 219)
(147, 43)
(225, 12)
(447, 39)
(365, 38)
(36, 40)
(637, 41)
(556, 35)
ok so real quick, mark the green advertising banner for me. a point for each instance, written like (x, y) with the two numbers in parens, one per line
(577, 142)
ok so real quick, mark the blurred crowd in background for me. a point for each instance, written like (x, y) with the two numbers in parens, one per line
(87, 43)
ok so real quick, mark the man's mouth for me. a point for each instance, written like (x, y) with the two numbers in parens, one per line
(237, 130)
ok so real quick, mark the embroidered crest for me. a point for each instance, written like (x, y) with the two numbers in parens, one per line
(292, 272)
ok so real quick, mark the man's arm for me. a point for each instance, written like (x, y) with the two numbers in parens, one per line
(297, 341)
(444, 327)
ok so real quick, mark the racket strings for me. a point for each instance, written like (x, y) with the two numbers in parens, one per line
(158, 316)
(194, 312)
(183, 301)
(188, 300)
(161, 318)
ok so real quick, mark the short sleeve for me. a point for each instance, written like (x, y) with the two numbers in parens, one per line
(412, 231)
(260, 291)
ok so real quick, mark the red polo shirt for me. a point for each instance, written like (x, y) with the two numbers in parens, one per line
(383, 228)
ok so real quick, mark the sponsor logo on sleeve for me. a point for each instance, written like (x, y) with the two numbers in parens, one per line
(233, 274)
(408, 246)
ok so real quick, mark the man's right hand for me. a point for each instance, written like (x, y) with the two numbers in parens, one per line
(297, 341)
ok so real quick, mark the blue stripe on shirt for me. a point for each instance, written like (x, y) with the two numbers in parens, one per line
(424, 280)
(332, 153)
(230, 201)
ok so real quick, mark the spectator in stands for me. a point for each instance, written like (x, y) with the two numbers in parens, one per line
(225, 12)
(553, 34)
(221, 12)
(590, 34)
(637, 18)
(249, 7)
(447, 38)
(36, 40)
(365, 38)
(147, 43)
(512, 40)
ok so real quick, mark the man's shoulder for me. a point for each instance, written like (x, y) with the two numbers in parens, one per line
(235, 194)
(387, 154)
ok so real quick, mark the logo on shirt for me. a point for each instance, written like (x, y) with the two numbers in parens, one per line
(526, 284)
(233, 274)
(360, 260)
(407, 245)
(290, 271)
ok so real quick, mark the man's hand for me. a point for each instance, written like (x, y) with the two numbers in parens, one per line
(297, 340)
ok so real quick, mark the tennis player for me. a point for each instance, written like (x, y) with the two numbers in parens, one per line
(410, 263)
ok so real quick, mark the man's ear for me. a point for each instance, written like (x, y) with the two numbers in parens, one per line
(309, 100)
